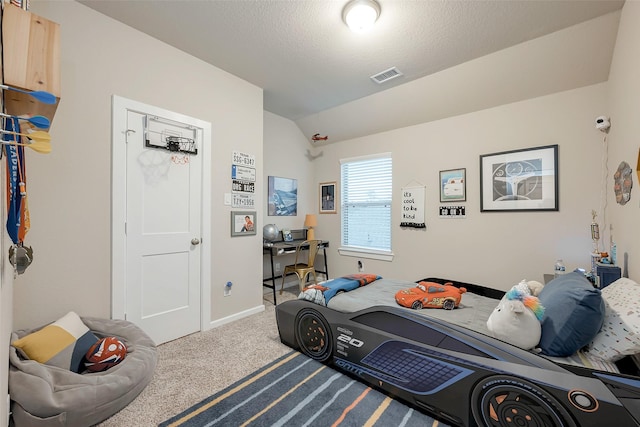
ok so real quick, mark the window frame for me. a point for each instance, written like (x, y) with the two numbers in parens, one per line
(359, 251)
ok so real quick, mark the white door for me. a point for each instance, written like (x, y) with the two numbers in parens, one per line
(163, 235)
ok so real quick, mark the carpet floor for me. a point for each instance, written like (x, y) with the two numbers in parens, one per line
(298, 391)
(194, 367)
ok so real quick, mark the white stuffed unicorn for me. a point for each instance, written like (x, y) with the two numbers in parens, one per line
(516, 319)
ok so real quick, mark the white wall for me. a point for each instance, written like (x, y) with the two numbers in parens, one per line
(497, 249)
(6, 299)
(6, 293)
(285, 155)
(69, 190)
(285, 149)
(624, 109)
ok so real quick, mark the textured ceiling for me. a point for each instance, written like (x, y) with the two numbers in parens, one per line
(306, 59)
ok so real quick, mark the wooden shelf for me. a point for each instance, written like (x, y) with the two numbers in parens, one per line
(31, 58)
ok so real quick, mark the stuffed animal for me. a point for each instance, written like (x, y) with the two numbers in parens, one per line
(535, 287)
(516, 319)
(529, 287)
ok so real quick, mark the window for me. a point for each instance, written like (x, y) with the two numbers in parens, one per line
(366, 206)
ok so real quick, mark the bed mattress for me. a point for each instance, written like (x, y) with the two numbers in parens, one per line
(472, 313)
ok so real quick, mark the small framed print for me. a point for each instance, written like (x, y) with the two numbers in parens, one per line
(327, 197)
(453, 185)
(520, 180)
(243, 223)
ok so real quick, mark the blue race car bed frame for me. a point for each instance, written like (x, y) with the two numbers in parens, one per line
(457, 375)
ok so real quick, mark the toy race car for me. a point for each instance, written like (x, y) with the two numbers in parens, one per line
(430, 295)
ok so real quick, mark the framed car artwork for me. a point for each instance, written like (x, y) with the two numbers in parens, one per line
(453, 185)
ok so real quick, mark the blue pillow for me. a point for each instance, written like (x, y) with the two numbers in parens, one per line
(573, 315)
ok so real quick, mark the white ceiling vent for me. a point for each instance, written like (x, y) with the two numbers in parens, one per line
(386, 75)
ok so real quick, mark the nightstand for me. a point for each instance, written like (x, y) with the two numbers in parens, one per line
(607, 274)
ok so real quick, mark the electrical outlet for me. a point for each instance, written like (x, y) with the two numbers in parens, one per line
(277, 266)
(227, 289)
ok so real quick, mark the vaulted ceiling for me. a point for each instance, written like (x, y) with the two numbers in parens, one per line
(311, 65)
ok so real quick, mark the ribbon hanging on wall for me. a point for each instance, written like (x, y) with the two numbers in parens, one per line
(18, 220)
(15, 158)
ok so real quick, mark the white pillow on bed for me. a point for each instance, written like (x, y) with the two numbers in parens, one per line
(620, 333)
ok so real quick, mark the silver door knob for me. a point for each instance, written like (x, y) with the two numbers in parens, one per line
(195, 241)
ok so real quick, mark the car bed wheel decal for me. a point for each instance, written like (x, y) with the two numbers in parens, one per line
(449, 304)
(507, 401)
(583, 400)
(417, 305)
(314, 335)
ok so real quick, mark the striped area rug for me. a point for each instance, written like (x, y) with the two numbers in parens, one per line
(298, 391)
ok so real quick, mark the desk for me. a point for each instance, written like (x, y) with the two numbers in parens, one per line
(284, 248)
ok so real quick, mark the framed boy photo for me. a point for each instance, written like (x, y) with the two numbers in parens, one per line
(243, 223)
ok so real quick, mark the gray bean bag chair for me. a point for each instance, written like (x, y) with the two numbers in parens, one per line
(45, 395)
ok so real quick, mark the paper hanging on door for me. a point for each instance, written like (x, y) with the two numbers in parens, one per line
(413, 206)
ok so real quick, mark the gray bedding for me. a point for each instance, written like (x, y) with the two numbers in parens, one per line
(472, 313)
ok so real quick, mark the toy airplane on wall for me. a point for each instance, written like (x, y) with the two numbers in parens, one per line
(317, 137)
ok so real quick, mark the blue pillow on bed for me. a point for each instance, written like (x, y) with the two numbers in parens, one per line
(347, 283)
(573, 315)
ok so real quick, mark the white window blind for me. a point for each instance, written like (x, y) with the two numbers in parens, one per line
(366, 202)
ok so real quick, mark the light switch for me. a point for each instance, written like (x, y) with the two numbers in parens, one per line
(227, 198)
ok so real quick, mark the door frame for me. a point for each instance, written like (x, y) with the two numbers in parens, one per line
(120, 107)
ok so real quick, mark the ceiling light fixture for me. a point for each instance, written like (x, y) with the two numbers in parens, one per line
(360, 15)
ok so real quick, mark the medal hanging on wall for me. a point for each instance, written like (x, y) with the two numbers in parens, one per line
(18, 221)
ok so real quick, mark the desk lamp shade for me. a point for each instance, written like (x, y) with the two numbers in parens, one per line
(310, 221)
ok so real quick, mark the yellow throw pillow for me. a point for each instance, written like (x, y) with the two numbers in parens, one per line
(63, 343)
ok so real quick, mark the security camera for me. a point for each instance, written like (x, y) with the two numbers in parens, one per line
(602, 123)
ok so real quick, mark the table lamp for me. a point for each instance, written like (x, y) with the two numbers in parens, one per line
(310, 221)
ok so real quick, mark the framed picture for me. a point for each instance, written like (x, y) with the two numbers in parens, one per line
(286, 235)
(283, 197)
(453, 185)
(243, 223)
(520, 180)
(327, 197)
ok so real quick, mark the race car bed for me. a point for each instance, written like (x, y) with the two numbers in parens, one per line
(445, 362)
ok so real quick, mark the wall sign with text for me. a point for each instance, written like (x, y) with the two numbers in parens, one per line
(413, 207)
(243, 180)
(243, 159)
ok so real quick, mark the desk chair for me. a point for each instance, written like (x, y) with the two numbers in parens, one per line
(302, 269)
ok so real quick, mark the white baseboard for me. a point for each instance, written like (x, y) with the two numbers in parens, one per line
(236, 316)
